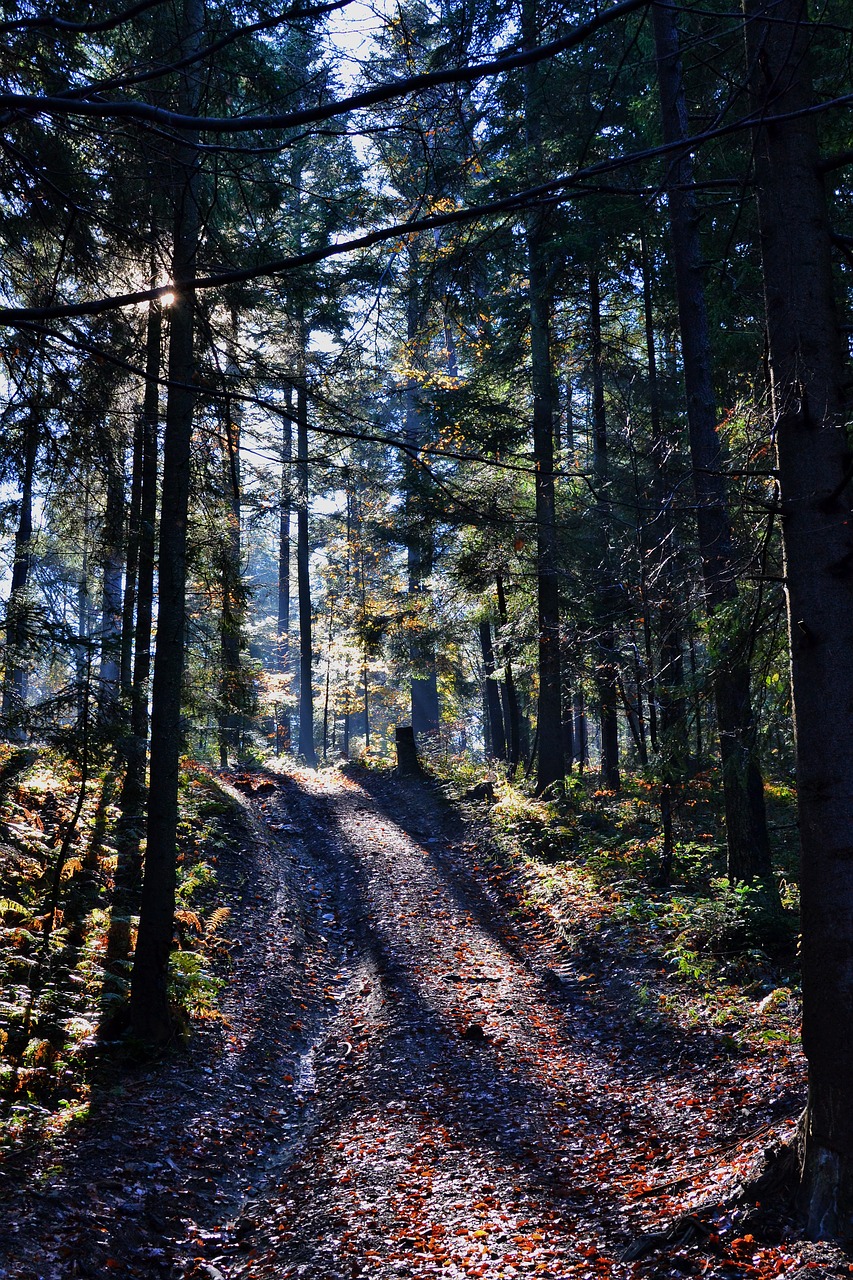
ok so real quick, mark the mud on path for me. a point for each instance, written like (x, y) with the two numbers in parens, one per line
(412, 1083)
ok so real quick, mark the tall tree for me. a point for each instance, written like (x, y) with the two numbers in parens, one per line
(112, 568)
(551, 767)
(813, 457)
(746, 823)
(420, 531)
(307, 748)
(15, 676)
(509, 694)
(669, 738)
(285, 508)
(149, 987)
(497, 732)
(231, 691)
(606, 674)
(137, 743)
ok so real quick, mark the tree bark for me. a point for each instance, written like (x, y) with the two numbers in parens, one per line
(365, 698)
(131, 569)
(15, 677)
(813, 457)
(348, 571)
(606, 673)
(82, 647)
(134, 783)
(509, 694)
(329, 638)
(671, 741)
(150, 1014)
(426, 713)
(283, 639)
(551, 766)
(641, 719)
(581, 740)
(569, 745)
(746, 823)
(306, 689)
(669, 683)
(493, 697)
(231, 620)
(112, 565)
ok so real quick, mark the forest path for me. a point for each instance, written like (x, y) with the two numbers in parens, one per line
(485, 1106)
(412, 1082)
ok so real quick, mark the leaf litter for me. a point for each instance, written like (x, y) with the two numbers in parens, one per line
(414, 1079)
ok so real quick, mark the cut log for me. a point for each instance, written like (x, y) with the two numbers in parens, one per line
(408, 764)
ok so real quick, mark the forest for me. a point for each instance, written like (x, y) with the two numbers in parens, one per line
(426, 688)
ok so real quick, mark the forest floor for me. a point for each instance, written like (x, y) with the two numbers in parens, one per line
(413, 1077)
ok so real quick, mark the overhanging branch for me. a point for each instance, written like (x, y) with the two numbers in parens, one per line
(576, 185)
(36, 105)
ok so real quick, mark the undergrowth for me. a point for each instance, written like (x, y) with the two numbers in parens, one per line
(64, 975)
(589, 861)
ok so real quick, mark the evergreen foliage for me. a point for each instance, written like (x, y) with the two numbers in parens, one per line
(507, 469)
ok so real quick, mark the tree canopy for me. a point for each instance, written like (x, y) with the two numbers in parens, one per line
(480, 368)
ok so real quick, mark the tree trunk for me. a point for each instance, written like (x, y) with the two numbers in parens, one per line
(638, 689)
(112, 565)
(569, 746)
(606, 674)
(493, 698)
(283, 639)
(746, 823)
(365, 698)
(306, 688)
(813, 458)
(329, 636)
(581, 739)
(668, 686)
(667, 845)
(347, 691)
(82, 650)
(15, 677)
(131, 570)
(134, 783)
(231, 620)
(426, 717)
(150, 1012)
(136, 649)
(551, 767)
(509, 695)
(695, 695)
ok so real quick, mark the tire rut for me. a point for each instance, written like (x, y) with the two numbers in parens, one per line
(410, 1082)
(449, 1105)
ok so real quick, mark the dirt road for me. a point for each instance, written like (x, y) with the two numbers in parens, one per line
(412, 1083)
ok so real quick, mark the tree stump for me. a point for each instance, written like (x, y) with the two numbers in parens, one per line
(408, 764)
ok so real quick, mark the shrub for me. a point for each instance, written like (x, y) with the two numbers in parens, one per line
(737, 920)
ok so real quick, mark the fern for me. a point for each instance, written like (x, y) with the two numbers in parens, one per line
(219, 916)
(9, 907)
(189, 919)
